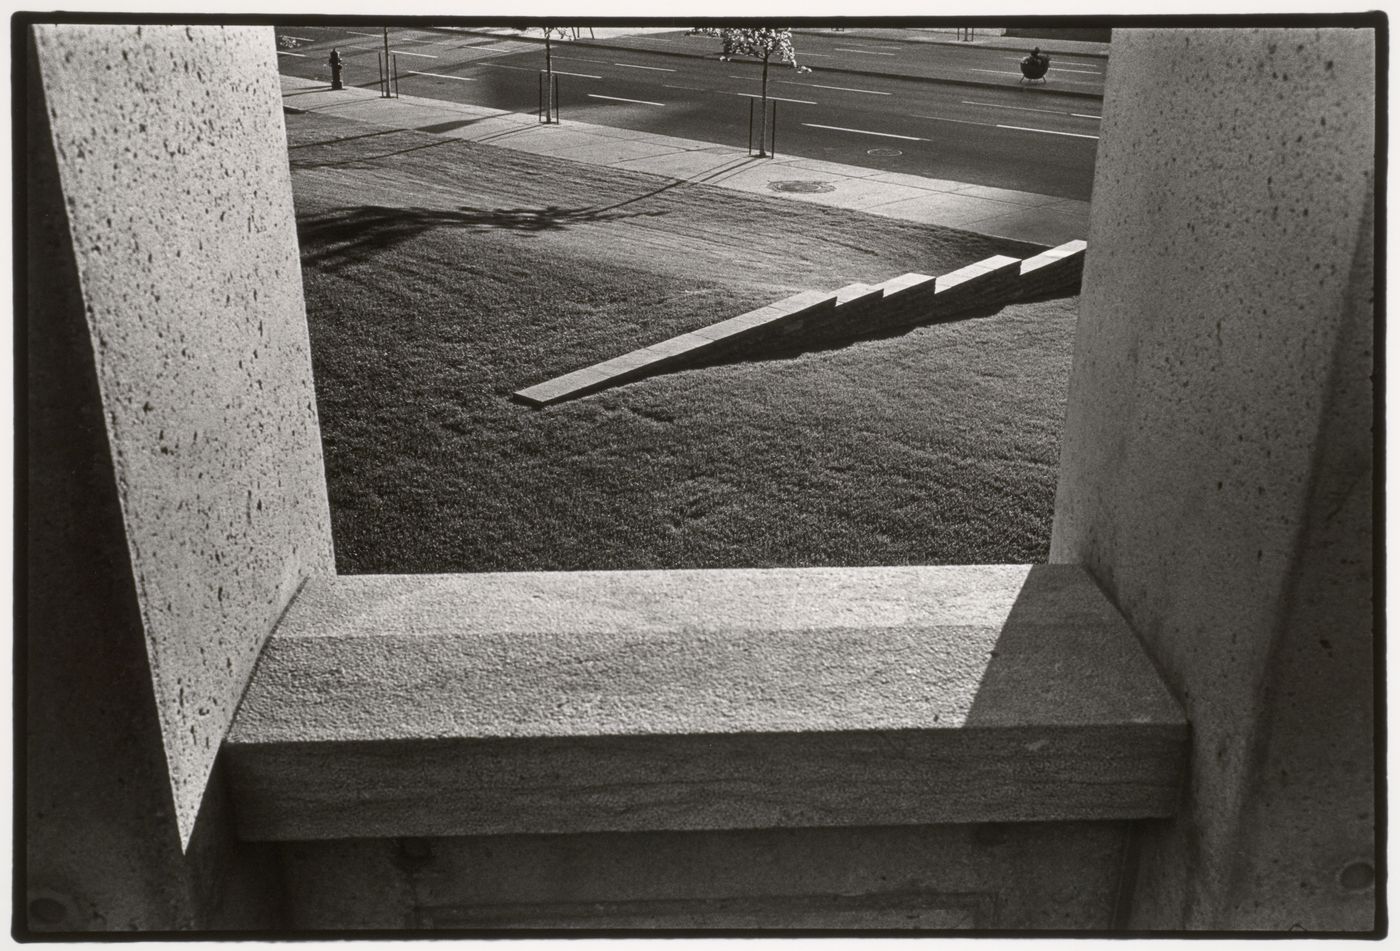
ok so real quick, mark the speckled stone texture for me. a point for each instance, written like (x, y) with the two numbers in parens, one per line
(1216, 462)
(636, 700)
(171, 156)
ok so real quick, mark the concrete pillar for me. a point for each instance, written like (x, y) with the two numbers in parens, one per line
(1216, 468)
(176, 493)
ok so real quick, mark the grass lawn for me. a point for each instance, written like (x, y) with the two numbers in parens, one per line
(441, 276)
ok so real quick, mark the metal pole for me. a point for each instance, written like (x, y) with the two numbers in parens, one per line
(539, 97)
(750, 126)
(386, 52)
(383, 86)
(556, 99)
(773, 138)
(396, 76)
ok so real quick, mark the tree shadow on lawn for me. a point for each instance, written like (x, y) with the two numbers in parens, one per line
(336, 239)
(362, 159)
(344, 138)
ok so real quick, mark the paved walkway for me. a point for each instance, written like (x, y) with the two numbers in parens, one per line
(999, 212)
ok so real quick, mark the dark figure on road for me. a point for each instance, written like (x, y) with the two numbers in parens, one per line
(1035, 65)
(335, 69)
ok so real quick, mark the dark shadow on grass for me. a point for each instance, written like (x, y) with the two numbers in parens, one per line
(367, 158)
(335, 239)
(799, 345)
(778, 349)
(347, 138)
(1048, 295)
(727, 169)
(441, 127)
(504, 133)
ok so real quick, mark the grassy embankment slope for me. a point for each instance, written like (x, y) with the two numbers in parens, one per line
(441, 276)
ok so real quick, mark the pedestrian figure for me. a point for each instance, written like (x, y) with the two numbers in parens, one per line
(335, 69)
(1035, 65)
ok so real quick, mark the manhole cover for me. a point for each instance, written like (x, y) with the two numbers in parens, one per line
(802, 186)
(885, 153)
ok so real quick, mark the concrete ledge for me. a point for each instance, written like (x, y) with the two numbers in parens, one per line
(626, 701)
(786, 316)
(990, 282)
(1052, 271)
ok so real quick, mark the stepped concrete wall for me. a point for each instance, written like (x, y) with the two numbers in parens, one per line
(815, 319)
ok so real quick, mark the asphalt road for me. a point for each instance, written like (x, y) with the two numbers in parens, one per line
(1005, 135)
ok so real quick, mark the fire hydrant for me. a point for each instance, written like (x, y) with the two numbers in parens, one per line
(335, 70)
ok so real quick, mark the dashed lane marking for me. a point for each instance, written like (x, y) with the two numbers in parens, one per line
(868, 92)
(1021, 128)
(754, 95)
(640, 102)
(997, 105)
(988, 125)
(883, 135)
(848, 49)
(1069, 69)
(285, 53)
(658, 69)
(465, 79)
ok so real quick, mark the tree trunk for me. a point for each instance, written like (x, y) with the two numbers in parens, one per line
(763, 119)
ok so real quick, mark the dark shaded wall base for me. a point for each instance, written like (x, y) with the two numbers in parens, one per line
(938, 877)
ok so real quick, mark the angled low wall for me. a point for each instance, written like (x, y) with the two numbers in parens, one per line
(1051, 272)
(817, 318)
(766, 323)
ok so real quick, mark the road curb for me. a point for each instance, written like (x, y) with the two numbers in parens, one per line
(828, 69)
(1000, 43)
(1067, 218)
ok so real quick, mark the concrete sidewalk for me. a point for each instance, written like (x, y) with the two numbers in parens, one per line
(981, 209)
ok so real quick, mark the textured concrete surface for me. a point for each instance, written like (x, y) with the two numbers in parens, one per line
(1025, 875)
(1216, 463)
(571, 701)
(102, 846)
(172, 161)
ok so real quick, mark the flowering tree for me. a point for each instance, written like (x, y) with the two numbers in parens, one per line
(760, 43)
